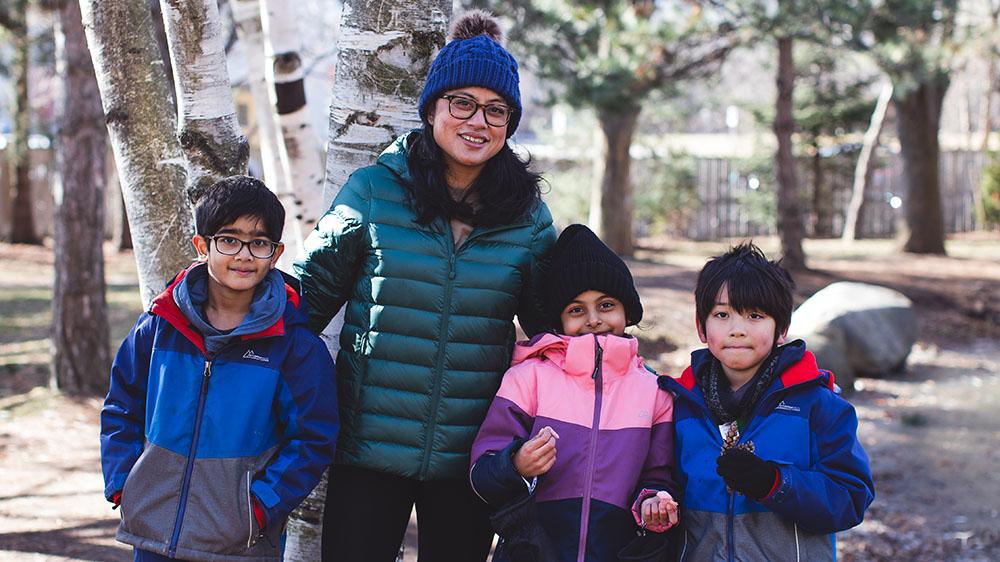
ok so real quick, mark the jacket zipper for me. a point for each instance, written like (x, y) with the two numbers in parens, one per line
(598, 377)
(442, 341)
(186, 482)
(730, 532)
(249, 513)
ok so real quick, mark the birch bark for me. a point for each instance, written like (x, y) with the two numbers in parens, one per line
(140, 120)
(384, 52)
(246, 14)
(79, 312)
(299, 146)
(209, 134)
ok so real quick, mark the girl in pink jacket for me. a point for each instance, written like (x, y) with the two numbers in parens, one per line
(576, 451)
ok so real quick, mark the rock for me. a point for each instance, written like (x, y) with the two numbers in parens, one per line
(857, 329)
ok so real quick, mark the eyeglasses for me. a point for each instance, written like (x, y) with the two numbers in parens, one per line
(461, 107)
(260, 248)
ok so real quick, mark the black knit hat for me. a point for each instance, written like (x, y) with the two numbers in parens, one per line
(581, 262)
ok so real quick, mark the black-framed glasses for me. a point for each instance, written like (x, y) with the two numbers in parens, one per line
(260, 248)
(461, 107)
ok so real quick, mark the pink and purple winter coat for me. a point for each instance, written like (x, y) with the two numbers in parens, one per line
(616, 439)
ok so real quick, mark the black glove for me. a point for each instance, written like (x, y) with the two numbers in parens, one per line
(746, 473)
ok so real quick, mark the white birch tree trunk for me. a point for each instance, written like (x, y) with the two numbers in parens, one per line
(246, 15)
(140, 120)
(384, 52)
(298, 145)
(207, 128)
(863, 170)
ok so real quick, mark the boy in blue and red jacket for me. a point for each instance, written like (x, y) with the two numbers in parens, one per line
(222, 414)
(767, 451)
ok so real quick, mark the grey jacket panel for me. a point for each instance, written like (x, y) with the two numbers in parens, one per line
(218, 522)
(756, 537)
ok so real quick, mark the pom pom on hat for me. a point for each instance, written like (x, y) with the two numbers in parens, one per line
(474, 58)
(473, 23)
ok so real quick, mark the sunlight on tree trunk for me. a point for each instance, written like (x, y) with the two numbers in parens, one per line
(790, 227)
(209, 134)
(81, 356)
(865, 168)
(140, 119)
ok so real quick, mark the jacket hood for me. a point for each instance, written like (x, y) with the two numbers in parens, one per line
(795, 363)
(575, 355)
(165, 306)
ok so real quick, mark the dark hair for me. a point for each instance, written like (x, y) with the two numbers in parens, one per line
(505, 190)
(239, 196)
(753, 282)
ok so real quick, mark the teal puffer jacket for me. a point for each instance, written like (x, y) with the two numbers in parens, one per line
(428, 328)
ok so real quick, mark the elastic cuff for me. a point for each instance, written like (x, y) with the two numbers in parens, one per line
(776, 485)
(642, 496)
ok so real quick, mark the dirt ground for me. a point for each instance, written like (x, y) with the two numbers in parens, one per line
(931, 433)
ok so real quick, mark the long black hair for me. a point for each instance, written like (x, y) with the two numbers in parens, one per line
(505, 191)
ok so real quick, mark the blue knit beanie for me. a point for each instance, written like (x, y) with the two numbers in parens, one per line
(474, 57)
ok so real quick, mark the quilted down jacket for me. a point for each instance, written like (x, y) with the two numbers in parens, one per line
(428, 327)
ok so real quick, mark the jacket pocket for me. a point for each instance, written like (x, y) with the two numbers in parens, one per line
(150, 495)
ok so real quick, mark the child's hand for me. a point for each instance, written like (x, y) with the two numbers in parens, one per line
(746, 473)
(538, 454)
(659, 512)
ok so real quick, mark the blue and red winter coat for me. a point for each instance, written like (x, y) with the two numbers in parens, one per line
(615, 440)
(191, 443)
(802, 426)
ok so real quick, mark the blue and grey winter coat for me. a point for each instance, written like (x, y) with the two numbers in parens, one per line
(808, 431)
(190, 441)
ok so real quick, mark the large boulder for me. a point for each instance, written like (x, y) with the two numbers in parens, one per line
(857, 329)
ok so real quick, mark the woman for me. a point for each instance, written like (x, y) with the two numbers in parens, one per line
(434, 249)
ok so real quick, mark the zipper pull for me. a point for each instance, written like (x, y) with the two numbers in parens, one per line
(208, 369)
(598, 354)
(451, 267)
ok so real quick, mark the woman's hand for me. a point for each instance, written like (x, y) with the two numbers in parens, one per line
(538, 454)
(659, 512)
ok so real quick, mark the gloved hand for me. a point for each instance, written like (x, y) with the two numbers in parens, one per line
(746, 473)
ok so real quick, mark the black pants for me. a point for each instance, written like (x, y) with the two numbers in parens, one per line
(367, 513)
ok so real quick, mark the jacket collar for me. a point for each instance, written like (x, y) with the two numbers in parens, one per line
(165, 307)
(576, 355)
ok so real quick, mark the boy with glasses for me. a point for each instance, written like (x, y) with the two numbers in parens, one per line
(221, 414)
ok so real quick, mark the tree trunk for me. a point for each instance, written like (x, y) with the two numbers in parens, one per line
(611, 205)
(865, 167)
(247, 16)
(790, 227)
(299, 149)
(384, 53)
(918, 111)
(23, 214)
(985, 127)
(140, 121)
(160, 34)
(207, 128)
(79, 313)
(822, 206)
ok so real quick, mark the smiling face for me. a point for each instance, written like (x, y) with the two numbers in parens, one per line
(467, 143)
(237, 275)
(593, 312)
(741, 341)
